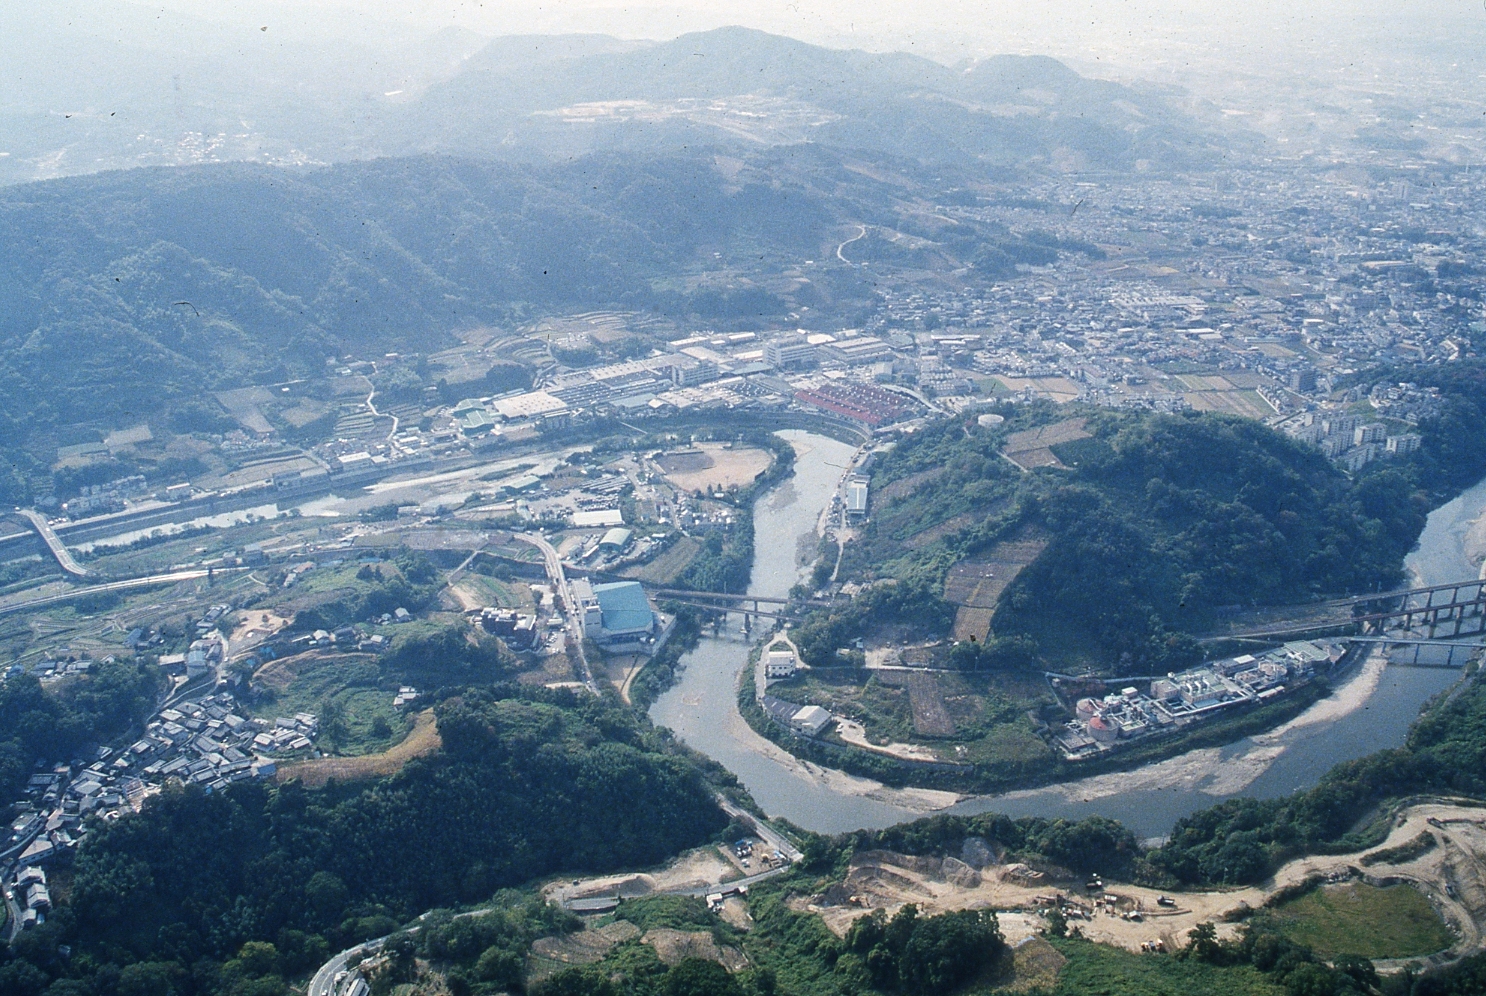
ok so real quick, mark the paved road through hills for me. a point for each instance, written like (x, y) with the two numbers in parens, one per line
(572, 625)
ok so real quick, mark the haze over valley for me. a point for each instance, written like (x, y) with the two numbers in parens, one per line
(794, 500)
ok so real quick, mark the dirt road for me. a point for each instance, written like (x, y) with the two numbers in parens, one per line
(1452, 876)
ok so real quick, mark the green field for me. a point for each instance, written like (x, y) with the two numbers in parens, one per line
(350, 688)
(1356, 918)
(987, 711)
(1109, 971)
(494, 591)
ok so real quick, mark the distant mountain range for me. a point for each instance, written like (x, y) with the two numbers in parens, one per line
(735, 86)
(129, 293)
(105, 86)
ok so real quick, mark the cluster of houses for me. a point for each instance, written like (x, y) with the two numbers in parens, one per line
(1176, 701)
(207, 743)
(32, 895)
(287, 734)
(100, 499)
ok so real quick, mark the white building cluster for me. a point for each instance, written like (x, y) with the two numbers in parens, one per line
(1180, 699)
(1350, 440)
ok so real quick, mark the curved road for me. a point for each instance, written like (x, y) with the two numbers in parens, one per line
(54, 543)
(324, 981)
(373, 408)
(859, 235)
(323, 984)
(125, 585)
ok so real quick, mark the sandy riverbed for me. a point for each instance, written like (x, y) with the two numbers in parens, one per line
(1207, 770)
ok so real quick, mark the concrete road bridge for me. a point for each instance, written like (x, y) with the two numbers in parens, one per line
(749, 605)
(54, 544)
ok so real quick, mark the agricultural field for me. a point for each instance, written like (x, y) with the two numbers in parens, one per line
(480, 590)
(1112, 971)
(1246, 403)
(975, 585)
(346, 692)
(667, 567)
(1396, 921)
(1033, 447)
(421, 740)
(976, 718)
(97, 625)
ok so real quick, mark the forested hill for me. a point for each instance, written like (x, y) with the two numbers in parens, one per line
(527, 784)
(738, 87)
(129, 294)
(1152, 526)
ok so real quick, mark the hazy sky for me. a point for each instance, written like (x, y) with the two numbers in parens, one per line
(1166, 33)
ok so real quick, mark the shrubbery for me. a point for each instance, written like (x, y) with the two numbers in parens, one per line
(921, 956)
(198, 887)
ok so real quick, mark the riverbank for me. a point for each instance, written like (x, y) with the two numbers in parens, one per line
(1213, 772)
(1291, 711)
(1370, 708)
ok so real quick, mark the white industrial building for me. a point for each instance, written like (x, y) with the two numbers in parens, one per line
(780, 664)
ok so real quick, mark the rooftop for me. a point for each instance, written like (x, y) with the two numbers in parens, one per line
(624, 606)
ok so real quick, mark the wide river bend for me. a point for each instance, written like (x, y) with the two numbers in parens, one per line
(1371, 709)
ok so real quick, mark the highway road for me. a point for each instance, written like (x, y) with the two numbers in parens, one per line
(125, 585)
(54, 544)
(572, 624)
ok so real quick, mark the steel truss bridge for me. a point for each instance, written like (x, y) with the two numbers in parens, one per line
(1441, 612)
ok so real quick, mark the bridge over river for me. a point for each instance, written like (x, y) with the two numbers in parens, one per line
(1437, 612)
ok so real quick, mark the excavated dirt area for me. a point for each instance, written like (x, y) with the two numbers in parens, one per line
(584, 947)
(714, 465)
(693, 870)
(674, 946)
(1452, 876)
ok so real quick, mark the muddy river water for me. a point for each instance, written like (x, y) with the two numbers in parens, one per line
(1371, 708)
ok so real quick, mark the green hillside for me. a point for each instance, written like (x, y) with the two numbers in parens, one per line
(525, 785)
(1152, 526)
(129, 295)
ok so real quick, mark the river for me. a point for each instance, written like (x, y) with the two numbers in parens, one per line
(1372, 708)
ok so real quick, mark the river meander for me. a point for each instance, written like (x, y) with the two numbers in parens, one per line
(1371, 709)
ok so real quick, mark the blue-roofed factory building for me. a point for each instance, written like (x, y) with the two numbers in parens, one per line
(618, 616)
